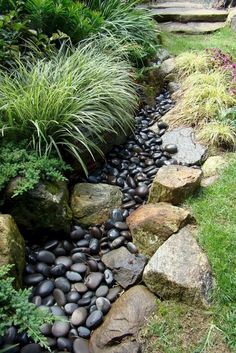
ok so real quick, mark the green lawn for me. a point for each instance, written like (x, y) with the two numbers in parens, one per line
(215, 211)
(225, 39)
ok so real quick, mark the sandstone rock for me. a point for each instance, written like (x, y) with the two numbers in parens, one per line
(180, 270)
(129, 313)
(91, 203)
(167, 69)
(152, 224)
(127, 268)
(232, 19)
(173, 86)
(174, 184)
(12, 247)
(45, 208)
(191, 27)
(213, 165)
(189, 150)
(209, 181)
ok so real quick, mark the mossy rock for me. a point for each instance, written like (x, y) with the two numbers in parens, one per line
(12, 247)
(43, 209)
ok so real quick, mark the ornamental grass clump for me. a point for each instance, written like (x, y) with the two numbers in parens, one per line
(219, 134)
(192, 62)
(67, 103)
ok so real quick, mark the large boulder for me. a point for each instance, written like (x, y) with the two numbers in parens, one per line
(152, 224)
(127, 268)
(174, 184)
(167, 69)
(128, 314)
(91, 203)
(180, 270)
(189, 151)
(211, 169)
(44, 208)
(12, 247)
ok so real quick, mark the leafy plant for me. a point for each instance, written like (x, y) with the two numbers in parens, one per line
(68, 102)
(219, 134)
(192, 62)
(134, 28)
(67, 16)
(16, 310)
(17, 161)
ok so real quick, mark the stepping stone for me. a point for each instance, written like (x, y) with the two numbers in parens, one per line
(180, 270)
(191, 27)
(118, 332)
(190, 151)
(127, 268)
(152, 224)
(176, 4)
(91, 203)
(174, 184)
(189, 15)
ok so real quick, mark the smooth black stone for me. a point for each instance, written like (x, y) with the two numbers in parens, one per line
(131, 182)
(94, 246)
(96, 232)
(159, 163)
(44, 288)
(37, 300)
(142, 190)
(73, 334)
(113, 234)
(46, 256)
(56, 311)
(83, 332)
(10, 335)
(32, 258)
(93, 265)
(65, 260)
(84, 301)
(88, 294)
(58, 270)
(103, 304)
(109, 224)
(83, 243)
(73, 276)
(129, 204)
(70, 308)
(51, 245)
(132, 248)
(59, 297)
(42, 268)
(92, 308)
(94, 319)
(80, 287)
(31, 348)
(93, 280)
(33, 279)
(80, 346)
(46, 329)
(78, 257)
(67, 245)
(113, 293)
(60, 328)
(63, 284)
(101, 266)
(171, 148)
(64, 344)
(77, 234)
(117, 242)
(116, 215)
(126, 234)
(73, 297)
(162, 125)
(108, 276)
(48, 301)
(79, 267)
(29, 269)
(59, 251)
(102, 291)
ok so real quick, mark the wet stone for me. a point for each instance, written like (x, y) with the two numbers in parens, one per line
(70, 308)
(63, 284)
(73, 297)
(81, 287)
(103, 304)
(79, 316)
(102, 291)
(66, 261)
(80, 346)
(44, 288)
(79, 267)
(42, 268)
(93, 280)
(30, 348)
(59, 297)
(83, 332)
(33, 279)
(64, 344)
(94, 319)
(114, 293)
(46, 257)
(58, 270)
(61, 328)
(73, 276)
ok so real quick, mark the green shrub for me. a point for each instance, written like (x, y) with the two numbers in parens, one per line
(67, 102)
(15, 309)
(17, 161)
(134, 28)
(67, 16)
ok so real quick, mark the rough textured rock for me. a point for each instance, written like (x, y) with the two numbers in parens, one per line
(232, 19)
(152, 224)
(12, 246)
(180, 270)
(129, 313)
(91, 203)
(173, 86)
(174, 184)
(127, 268)
(167, 69)
(151, 84)
(43, 208)
(189, 150)
(213, 165)
(191, 27)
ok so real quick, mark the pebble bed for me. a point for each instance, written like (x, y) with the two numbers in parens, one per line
(68, 276)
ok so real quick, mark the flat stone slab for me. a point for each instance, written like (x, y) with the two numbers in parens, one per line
(127, 268)
(176, 4)
(191, 27)
(180, 270)
(189, 15)
(118, 332)
(190, 152)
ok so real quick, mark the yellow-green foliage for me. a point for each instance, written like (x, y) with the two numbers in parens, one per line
(205, 96)
(218, 134)
(191, 62)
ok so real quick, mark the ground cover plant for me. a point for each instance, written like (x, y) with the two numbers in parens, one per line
(64, 103)
(16, 310)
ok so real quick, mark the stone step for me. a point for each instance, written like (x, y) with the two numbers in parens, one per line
(191, 27)
(169, 4)
(189, 15)
(202, 2)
